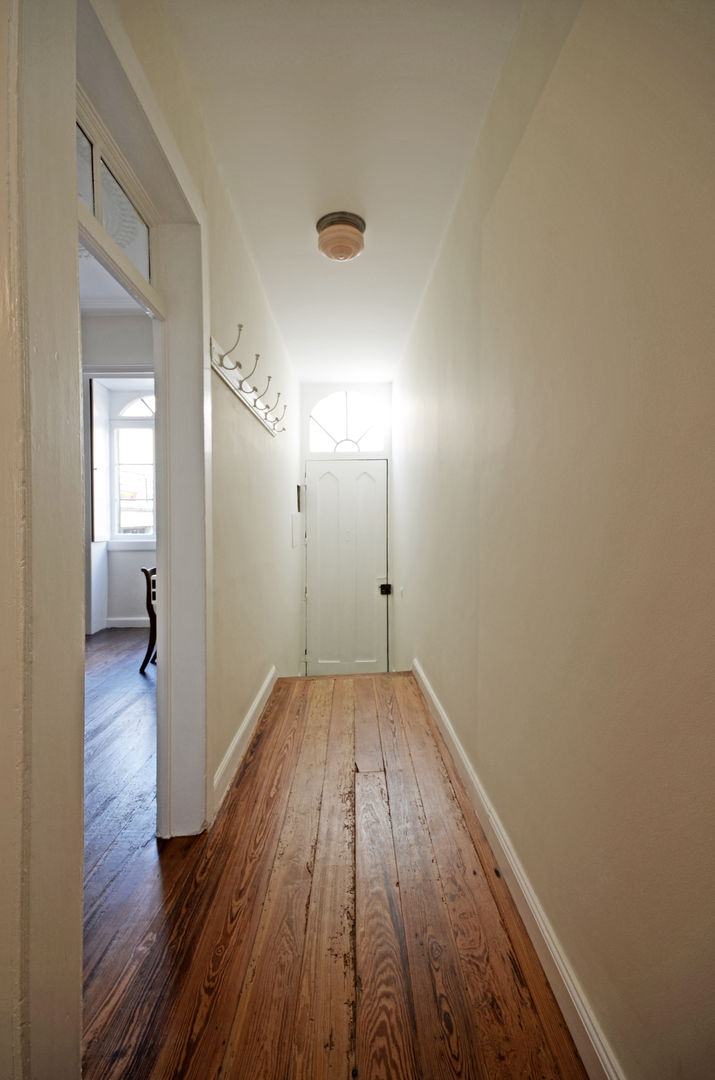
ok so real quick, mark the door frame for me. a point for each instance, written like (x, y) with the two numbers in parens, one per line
(115, 94)
(181, 806)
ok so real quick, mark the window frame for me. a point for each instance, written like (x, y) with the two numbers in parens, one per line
(378, 413)
(312, 392)
(92, 232)
(115, 424)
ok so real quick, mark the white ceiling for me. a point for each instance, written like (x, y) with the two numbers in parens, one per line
(126, 383)
(372, 106)
(99, 292)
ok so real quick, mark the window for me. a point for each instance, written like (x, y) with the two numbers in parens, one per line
(140, 408)
(346, 422)
(124, 224)
(132, 454)
(134, 481)
(99, 189)
(122, 470)
(85, 188)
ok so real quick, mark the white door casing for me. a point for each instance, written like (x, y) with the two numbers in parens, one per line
(346, 615)
(112, 79)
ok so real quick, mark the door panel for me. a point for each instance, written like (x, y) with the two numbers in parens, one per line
(346, 564)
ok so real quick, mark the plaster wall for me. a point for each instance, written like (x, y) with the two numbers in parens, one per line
(257, 571)
(117, 343)
(125, 584)
(554, 507)
(254, 610)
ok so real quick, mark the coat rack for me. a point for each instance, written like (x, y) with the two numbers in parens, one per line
(244, 389)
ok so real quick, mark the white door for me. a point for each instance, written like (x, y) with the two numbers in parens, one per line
(347, 564)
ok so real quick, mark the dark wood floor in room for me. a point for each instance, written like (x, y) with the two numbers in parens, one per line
(342, 918)
(119, 766)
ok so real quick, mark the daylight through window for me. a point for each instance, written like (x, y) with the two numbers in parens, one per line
(134, 480)
(346, 422)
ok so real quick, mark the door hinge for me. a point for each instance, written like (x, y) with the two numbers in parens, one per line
(386, 590)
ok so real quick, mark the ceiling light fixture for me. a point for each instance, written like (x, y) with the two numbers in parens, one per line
(340, 235)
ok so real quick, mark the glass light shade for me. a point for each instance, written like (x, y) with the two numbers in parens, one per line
(341, 242)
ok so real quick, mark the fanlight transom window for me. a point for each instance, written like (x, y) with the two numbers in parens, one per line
(141, 408)
(346, 422)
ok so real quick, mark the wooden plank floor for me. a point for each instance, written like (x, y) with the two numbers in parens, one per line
(120, 763)
(342, 918)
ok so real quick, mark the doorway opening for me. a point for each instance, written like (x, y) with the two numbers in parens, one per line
(120, 739)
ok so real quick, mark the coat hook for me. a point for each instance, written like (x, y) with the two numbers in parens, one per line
(263, 391)
(222, 356)
(244, 387)
(249, 389)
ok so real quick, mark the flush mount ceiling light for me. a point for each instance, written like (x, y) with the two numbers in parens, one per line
(340, 235)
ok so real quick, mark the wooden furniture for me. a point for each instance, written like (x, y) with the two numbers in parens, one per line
(150, 655)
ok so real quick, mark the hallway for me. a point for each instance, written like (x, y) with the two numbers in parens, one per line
(341, 918)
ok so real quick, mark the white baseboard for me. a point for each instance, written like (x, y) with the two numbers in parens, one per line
(598, 1058)
(129, 620)
(231, 759)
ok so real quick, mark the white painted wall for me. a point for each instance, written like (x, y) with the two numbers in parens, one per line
(117, 343)
(554, 503)
(126, 587)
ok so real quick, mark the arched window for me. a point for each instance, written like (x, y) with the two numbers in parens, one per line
(140, 408)
(346, 422)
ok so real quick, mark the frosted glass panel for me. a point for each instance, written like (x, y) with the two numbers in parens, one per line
(84, 169)
(123, 223)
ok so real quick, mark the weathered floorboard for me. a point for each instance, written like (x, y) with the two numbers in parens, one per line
(448, 1035)
(386, 1033)
(368, 749)
(512, 1041)
(341, 917)
(260, 1039)
(228, 893)
(527, 970)
(323, 1036)
(172, 979)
